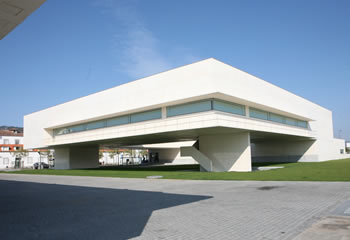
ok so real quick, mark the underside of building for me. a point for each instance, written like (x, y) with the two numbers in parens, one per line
(14, 12)
(231, 118)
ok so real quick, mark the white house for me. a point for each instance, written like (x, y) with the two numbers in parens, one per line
(234, 118)
(11, 154)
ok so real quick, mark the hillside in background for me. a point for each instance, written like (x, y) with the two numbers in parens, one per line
(19, 129)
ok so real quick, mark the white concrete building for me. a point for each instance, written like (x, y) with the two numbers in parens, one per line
(234, 118)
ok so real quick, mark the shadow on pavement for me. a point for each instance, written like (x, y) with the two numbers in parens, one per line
(50, 211)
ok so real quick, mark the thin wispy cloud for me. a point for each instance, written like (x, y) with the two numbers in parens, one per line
(139, 54)
(136, 47)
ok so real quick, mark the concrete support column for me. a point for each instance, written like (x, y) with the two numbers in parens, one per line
(228, 152)
(76, 157)
(62, 158)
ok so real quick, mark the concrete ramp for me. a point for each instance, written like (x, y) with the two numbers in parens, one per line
(193, 152)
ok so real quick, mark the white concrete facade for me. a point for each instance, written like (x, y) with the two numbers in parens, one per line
(206, 82)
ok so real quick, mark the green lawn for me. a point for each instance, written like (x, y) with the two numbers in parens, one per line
(337, 170)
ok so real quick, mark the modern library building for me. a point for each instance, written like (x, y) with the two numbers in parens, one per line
(232, 118)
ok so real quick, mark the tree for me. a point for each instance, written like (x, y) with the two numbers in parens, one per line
(113, 153)
(128, 151)
(144, 153)
(100, 154)
(20, 153)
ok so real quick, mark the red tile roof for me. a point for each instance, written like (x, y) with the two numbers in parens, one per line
(10, 133)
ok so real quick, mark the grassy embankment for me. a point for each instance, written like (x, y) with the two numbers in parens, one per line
(337, 170)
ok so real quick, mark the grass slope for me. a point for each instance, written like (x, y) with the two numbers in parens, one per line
(336, 170)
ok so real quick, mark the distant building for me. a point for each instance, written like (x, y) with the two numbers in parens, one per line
(12, 154)
(11, 140)
(119, 157)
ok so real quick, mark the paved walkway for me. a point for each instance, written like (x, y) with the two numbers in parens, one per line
(65, 207)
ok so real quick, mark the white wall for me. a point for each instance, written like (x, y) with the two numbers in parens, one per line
(206, 164)
(77, 157)
(28, 160)
(172, 156)
(62, 160)
(11, 139)
(228, 152)
(337, 144)
(84, 157)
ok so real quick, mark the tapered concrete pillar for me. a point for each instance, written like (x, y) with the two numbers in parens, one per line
(76, 157)
(204, 162)
(227, 152)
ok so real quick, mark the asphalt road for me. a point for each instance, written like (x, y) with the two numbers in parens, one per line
(65, 207)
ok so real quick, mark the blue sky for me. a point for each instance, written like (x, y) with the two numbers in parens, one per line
(68, 49)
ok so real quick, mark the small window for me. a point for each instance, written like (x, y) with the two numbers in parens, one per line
(276, 118)
(117, 121)
(16, 141)
(341, 151)
(77, 128)
(291, 121)
(302, 124)
(144, 116)
(188, 108)
(228, 107)
(6, 141)
(95, 125)
(255, 113)
(60, 131)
